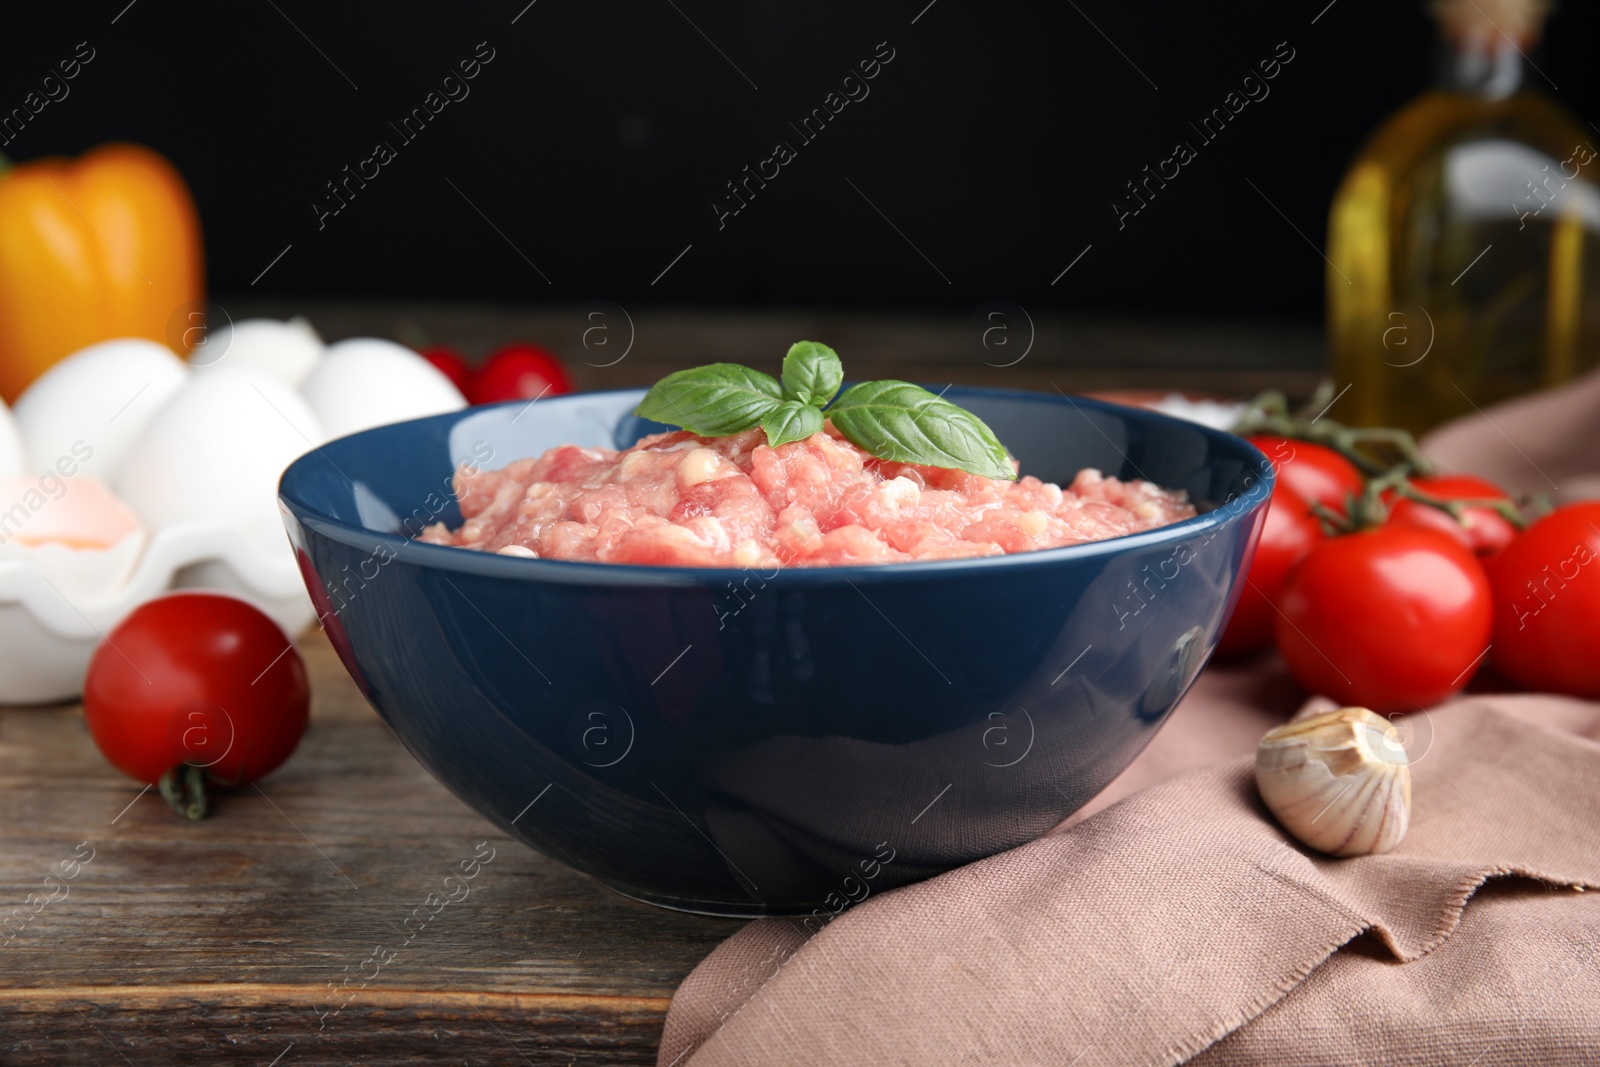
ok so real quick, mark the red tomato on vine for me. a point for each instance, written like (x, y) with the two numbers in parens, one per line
(1547, 603)
(1288, 535)
(1485, 531)
(1393, 618)
(1316, 472)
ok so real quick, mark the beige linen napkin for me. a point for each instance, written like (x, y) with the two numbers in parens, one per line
(1148, 933)
(1173, 921)
(1547, 443)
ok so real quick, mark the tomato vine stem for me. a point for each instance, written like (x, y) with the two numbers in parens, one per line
(1387, 458)
(1374, 450)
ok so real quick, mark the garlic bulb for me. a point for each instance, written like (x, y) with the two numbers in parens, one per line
(1339, 782)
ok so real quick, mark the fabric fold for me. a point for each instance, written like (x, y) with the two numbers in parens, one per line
(1162, 925)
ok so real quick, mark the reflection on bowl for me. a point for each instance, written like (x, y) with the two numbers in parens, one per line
(742, 742)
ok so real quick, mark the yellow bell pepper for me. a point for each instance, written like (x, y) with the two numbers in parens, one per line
(104, 246)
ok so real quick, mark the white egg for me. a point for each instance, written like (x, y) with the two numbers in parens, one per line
(286, 349)
(366, 382)
(13, 456)
(92, 406)
(217, 452)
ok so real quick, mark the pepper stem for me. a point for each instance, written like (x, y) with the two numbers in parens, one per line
(184, 790)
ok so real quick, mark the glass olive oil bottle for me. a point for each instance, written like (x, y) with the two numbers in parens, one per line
(1464, 243)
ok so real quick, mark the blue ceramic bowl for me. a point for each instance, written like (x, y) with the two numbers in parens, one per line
(742, 742)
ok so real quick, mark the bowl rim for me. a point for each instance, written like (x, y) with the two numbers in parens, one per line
(517, 568)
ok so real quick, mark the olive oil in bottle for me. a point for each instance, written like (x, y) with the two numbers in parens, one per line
(1464, 242)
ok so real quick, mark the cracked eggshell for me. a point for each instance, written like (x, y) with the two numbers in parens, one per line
(216, 454)
(98, 400)
(288, 350)
(366, 382)
(81, 538)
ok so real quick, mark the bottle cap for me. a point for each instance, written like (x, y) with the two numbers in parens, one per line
(1484, 22)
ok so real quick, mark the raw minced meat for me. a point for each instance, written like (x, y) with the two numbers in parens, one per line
(681, 500)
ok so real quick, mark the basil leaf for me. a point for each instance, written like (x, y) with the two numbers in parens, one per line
(812, 373)
(791, 421)
(905, 423)
(714, 400)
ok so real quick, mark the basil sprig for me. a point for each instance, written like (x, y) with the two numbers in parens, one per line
(891, 420)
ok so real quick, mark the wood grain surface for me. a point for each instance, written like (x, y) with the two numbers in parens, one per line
(237, 939)
(276, 931)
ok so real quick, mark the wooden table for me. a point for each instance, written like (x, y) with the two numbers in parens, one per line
(227, 940)
(222, 941)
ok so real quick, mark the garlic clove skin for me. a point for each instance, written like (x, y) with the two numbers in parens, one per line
(1339, 782)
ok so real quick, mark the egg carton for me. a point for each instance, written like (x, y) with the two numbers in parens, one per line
(196, 452)
(47, 637)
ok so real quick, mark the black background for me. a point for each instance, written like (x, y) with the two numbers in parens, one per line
(597, 138)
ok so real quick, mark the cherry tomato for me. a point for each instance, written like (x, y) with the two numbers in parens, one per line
(1547, 603)
(198, 679)
(1393, 619)
(519, 372)
(451, 364)
(1318, 473)
(1482, 530)
(1289, 533)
